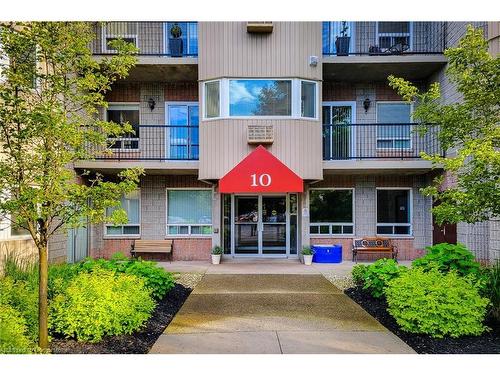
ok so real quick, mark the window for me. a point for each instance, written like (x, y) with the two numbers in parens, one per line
(331, 212)
(270, 98)
(396, 134)
(260, 97)
(189, 212)
(131, 204)
(393, 211)
(394, 36)
(121, 114)
(183, 132)
(212, 99)
(118, 30)
(308, 99)
(189, 37)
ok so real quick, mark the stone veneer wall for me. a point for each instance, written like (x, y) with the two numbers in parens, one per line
(153, 223)
(365, 216)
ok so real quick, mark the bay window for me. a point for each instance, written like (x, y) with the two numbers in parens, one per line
(394, 211)
(189, 212)
(264, 98)
(212, 99)
(331, 211)
(131, 204)
(308, 99)
(260, 97)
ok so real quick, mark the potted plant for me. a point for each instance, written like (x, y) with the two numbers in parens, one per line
(307, 254)
(343, 41)
(175, 41)
(216, 254)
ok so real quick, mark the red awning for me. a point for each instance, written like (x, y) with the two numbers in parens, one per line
(261, 172)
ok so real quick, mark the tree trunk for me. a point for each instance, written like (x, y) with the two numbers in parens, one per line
(43, 311)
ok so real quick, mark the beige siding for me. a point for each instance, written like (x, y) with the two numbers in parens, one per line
(494, 37)
(297, 143)
(227, 50)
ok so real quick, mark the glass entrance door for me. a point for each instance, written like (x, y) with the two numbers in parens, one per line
(261, 225)
(274, 225)
(246, 225)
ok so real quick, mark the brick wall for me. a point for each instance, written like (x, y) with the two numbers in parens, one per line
(365, 216)
(124, 92)
(153, 222)
(406, 248)
(336, 91)
(181, 91)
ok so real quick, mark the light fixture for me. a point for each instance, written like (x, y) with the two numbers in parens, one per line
(151, 103)
(366, 104)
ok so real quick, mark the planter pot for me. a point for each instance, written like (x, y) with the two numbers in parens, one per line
(175, 47)
(342, 45)
(216, 258)
(308, 259)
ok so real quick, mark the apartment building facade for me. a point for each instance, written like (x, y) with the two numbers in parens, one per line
(263, 137)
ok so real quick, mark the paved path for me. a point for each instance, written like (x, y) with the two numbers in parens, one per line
(281, 313)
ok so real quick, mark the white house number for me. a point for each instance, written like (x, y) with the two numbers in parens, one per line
(261, 180)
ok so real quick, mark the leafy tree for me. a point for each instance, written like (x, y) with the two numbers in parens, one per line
(470, 129)
(50, 89)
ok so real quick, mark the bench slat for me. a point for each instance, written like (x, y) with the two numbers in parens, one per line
(153, 246)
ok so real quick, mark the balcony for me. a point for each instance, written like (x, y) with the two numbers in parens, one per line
(379, 146)
(153, 147)
(364, 51)
(161, 55)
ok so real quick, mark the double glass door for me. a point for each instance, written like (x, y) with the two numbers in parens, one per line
(261, 225)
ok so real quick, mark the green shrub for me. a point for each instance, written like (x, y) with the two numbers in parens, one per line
(101, 302)
(358, 274)
(447, 257)
(156, 278)
(377, 275)
(60, 275)
(437, 304)
(13, 332)
(22, 296)
(492, 289)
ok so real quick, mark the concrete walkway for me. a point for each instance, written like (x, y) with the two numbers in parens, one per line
(273, 313)
(262, 266)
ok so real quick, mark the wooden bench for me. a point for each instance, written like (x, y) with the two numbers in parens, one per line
(153, 246)
(373, 245)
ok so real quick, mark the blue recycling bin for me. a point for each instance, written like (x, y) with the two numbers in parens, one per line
(327, 253)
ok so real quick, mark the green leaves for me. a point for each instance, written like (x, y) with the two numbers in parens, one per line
(436, 304)
(468, 130)
(101, 303)
(50, 98)
(376, 276)
(157, 280)
(447, 257)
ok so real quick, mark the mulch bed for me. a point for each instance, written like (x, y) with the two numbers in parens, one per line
(137, 343)
(487, 343)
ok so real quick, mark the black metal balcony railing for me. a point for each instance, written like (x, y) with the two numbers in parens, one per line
(151, 38)
(154, 143)
(383, 38)
(378, 141)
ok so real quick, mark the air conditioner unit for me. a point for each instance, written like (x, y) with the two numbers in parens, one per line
(260, 134)
(259, 27)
